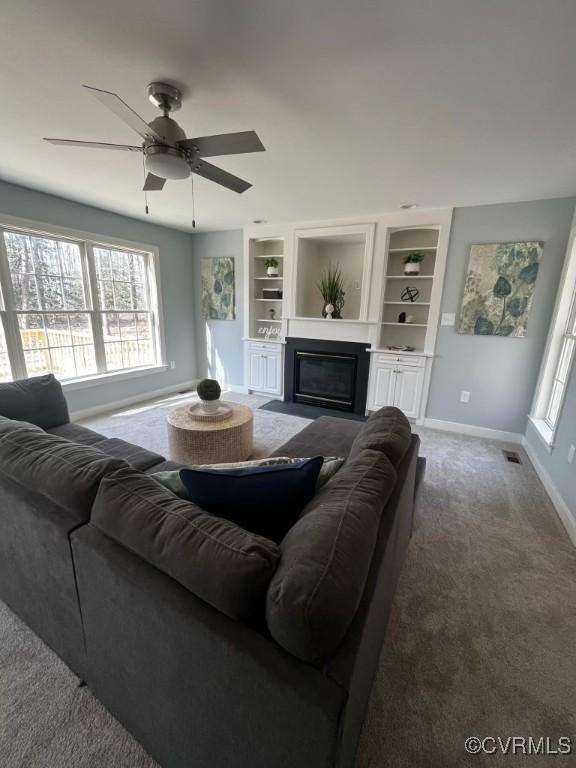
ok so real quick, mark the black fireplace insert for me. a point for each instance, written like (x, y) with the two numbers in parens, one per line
(331, 374)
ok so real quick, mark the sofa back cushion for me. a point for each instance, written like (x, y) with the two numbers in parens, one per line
(387, 430)
(66, 473)
(326, 555)
(218, 561)
(39, 400)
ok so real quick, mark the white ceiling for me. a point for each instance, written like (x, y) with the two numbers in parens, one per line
(362, 105)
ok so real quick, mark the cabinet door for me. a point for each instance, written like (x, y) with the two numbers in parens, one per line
(408, 389)
(256, 370)
(271, 365)
(384, 385)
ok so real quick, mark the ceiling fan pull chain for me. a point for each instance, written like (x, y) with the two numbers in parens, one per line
(193, 205)
(145, 193)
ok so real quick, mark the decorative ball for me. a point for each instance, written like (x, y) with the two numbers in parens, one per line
(208, 389)
(410, 293)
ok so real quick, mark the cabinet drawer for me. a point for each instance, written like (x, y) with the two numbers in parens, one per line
(417, 362)
(262, 346)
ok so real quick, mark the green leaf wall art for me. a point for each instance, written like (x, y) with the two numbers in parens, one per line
(499, 287)
(218, 288)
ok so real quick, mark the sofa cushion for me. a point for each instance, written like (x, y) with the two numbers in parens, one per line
(137, 457)
(224, 565)
(76, 433)
(66, 473)
(388, 431)
(326, 555)
(326, 436)
(38, 400)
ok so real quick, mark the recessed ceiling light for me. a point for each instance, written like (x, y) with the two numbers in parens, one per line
(407, 206)
(259, 221)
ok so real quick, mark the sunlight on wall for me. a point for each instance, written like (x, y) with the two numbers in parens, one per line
(215, 366)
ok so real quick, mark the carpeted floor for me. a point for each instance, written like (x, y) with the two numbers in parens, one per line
(480, 641)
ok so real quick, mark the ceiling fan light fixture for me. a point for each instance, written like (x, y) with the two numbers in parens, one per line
(167, 162)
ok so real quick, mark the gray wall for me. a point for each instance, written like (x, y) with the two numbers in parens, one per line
(176, 277)
(499, 373)
(219, 342)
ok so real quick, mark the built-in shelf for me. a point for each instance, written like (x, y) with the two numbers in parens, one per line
(411, 250)
(268, 278)
(409, 303)
(267, 299)
(410, 277)
(267, 320)
(410, 325)
(271, 256)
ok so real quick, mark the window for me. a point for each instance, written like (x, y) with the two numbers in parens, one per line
(562, 369)
(75, 308)
(559, 356)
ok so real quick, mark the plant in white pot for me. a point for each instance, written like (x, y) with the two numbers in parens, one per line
(412, 263)
(331, 287)
(271, 267)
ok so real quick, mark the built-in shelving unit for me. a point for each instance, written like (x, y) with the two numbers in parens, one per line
(412, 329)
(266, 312)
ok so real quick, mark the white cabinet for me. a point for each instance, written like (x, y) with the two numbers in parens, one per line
(397, 380)
(264, 364)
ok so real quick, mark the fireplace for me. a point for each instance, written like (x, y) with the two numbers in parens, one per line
(331, 374)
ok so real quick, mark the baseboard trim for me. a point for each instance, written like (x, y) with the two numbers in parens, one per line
(474, 431)
(562, 509)
(88, 413)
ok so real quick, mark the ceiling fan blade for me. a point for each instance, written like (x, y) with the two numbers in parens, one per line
(124, 112)
(224, 144)
(153, 183)
(94, 145)
(225, 179)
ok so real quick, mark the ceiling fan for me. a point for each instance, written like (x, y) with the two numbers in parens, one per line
(168, 154)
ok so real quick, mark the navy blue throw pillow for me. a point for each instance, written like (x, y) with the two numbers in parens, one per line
(265, 500)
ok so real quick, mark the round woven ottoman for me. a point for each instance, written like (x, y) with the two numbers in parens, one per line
(210, 442)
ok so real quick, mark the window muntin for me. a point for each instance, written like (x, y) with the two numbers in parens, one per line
(65, 324)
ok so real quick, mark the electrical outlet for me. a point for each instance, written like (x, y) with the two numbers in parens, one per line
(172, 364)
(464, 396)
(571, 452)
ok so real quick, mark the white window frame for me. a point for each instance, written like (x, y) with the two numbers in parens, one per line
(86, 242)
(564, 310)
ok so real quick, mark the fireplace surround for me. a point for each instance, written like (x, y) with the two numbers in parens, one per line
(330, 374)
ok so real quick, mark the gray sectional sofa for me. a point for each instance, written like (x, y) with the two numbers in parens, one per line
(214, 647)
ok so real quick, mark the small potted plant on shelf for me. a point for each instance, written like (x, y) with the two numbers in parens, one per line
(331, 287)
(412, 262)
(271, 267)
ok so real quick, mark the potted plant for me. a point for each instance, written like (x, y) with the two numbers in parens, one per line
(412, 262)
(271, 267)
(331, 287)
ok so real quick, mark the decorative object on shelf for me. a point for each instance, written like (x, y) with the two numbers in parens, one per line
(209, 408)
(272, 313)
(271, 293)
(269, 332)
(218, 288)
(271, 265)
(409, 319)
(412, 262)
(403, 348)
(410, 293)
(331, 287)
(329, 309)
(402, 317)
(499, 288)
